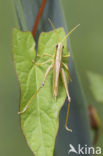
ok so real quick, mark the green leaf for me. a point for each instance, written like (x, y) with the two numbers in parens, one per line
(96, 85)
(41, 121)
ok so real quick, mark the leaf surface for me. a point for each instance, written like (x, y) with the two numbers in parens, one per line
(41, 121)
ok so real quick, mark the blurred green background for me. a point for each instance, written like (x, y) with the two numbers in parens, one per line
(87, 49)
(87, 41)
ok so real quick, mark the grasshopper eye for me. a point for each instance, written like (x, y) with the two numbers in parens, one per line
(56, 46)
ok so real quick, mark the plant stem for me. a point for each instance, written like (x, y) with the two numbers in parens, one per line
(38, 17)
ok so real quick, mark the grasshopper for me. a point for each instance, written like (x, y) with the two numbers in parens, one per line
(57, 66)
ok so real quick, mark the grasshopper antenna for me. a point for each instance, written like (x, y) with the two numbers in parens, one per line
(70, 32)
(53, 28)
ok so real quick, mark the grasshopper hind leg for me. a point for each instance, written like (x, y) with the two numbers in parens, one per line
(42, 85)
(68, 96)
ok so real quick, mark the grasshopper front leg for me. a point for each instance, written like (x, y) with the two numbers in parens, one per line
(45, 54)
(41, 64)
(69, 99)
(42, 85)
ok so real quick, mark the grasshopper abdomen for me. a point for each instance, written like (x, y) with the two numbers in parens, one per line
(57, 67)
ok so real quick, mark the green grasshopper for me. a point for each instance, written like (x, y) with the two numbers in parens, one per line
(57, 66)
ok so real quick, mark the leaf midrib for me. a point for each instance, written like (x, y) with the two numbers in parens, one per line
(39, 111)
